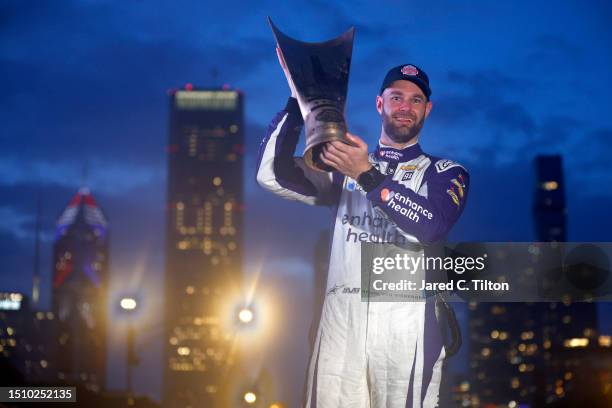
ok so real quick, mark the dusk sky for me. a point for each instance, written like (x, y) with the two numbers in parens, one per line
(84, 85)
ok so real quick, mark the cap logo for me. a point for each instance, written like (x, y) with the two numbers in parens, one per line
(410, 70)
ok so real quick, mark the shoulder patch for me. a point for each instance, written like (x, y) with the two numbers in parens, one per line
(444, 164)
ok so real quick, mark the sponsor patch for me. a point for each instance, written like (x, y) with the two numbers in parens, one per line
(390, 154)
(443, 165)
(352, 185)
(452, 195)
(459, 186)
(408, 167)
(343, 289)
(386, 194)
(407, 175)
(410, 70)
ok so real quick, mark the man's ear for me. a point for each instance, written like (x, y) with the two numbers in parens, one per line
(379, 104)
(428, 108)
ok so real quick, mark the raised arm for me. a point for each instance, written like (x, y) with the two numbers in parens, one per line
(283, 174)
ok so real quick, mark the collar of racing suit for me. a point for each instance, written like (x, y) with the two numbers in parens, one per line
(398, 155)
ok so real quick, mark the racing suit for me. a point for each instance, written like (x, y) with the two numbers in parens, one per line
(369, 354)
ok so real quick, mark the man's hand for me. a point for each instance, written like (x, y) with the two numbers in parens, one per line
(348, 160)
(281, 61)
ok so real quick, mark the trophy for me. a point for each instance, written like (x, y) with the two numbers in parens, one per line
(319, 72)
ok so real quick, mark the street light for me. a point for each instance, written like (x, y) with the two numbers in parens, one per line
(245, 315)
(250, 397)
(129, 305)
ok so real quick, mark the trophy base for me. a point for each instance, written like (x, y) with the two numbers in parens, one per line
(318, 134)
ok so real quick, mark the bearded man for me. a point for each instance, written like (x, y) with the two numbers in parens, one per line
(372, 354)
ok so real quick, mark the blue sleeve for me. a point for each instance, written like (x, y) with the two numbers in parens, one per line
(428, 217)
(283, 174)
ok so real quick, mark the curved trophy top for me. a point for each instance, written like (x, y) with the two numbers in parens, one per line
(319, 69)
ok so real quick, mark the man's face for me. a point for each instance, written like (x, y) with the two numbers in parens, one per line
(403, 108)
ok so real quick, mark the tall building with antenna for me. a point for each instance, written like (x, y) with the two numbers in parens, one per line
(80, 282)
(204, 218)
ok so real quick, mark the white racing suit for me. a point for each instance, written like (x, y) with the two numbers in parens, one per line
(370, 354)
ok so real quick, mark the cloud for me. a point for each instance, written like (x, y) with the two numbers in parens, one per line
(106, 177)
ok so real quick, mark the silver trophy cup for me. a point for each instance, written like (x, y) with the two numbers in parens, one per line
(320, 73)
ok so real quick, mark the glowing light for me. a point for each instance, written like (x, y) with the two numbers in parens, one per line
(217, 181)
(605, 341)
(250, 397)
(128, 303)
(245, 315)
(576, 342)
(550, 185)
(183, 351)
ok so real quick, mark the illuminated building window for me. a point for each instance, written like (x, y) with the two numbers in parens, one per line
(217, 181)
(515, 383)
(567, 319)
(231, 245)
(550, 185)
(498, 310)
(173, 341)
(211, 389)
(527, 335)
(43, 363)
(485, 352)
(10, 331)
(589, 332)
(182, 245)
(180, 206)
(605, 341)
(494, 334)
(183, 351)
(233, 128)
(193, 144)
(190, 290)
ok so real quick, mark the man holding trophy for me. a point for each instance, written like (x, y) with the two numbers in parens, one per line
(366, 354)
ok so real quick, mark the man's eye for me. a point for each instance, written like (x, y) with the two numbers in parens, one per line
(417, 100)
(395, 98)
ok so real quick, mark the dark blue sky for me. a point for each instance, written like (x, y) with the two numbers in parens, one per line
(84, 83)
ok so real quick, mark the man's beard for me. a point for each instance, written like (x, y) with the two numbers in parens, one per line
(401, 133)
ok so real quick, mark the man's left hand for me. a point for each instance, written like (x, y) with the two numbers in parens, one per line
(350, 160)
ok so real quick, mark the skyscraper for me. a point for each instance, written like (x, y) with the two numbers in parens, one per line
(561, 322)
(80, 282)
(519, 351)
(203, 244)
(549, 208)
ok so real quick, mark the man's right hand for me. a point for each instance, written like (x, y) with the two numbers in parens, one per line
(283, 65)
